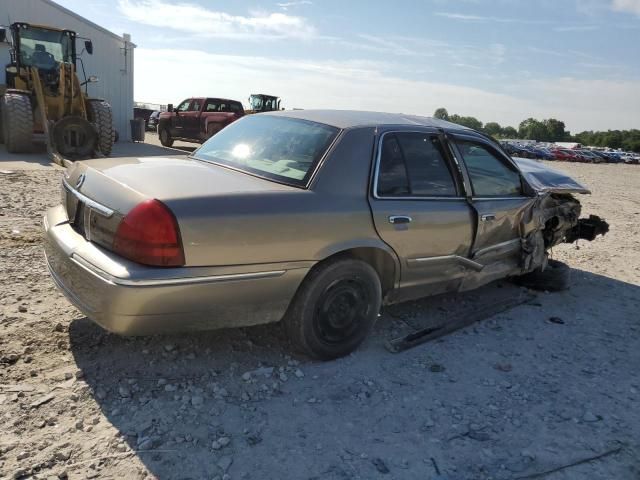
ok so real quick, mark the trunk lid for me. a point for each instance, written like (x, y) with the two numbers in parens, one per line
(99, 193)
(163, 178)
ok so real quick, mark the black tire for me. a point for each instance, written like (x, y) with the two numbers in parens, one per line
(101, 116)
(74, 137)
(334, 309)
(556, 277)
(165, 137)
(17, 122)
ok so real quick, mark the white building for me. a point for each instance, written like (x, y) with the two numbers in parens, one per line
(111, 62)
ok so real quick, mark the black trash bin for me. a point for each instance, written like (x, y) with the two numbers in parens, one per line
(137, 129)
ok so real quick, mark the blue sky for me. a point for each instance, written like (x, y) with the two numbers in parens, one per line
(498, 60)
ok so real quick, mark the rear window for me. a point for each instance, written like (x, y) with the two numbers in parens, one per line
(277, 148)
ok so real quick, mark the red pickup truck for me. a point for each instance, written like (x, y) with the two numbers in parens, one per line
(197, 119)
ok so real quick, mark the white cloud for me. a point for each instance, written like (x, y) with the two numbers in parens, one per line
(201, 21)
(632, 6)
(298, 3)
(576, 28)
(485, 19)
(364, 85)
(383, 44)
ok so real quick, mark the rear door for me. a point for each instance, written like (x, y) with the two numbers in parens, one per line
(215, 119)
(419, 209)
(499, 201)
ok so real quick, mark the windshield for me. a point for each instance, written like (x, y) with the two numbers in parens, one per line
(44, 48)
(263, 103)
(278, 148)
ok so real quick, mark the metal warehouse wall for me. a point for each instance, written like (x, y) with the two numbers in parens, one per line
(112, 59)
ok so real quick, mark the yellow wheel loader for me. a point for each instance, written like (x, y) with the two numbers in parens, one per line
(43, 95)
(260, 102)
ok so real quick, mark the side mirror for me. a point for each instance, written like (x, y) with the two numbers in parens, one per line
(170, 107)
(88, 46)
(3, 35)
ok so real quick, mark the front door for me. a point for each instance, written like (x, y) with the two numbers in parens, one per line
(419, 209)
(177, 119)
(499, 201)
(191, 119)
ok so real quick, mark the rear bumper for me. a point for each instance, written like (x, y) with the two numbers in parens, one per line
(127, 298)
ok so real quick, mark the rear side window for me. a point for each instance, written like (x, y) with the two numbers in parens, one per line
(490, 176)
(216, 106)
(413, 164)
(212, 107)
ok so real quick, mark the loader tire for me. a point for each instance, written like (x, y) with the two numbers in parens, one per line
(74, 137)
(102, 118)
(17, 122)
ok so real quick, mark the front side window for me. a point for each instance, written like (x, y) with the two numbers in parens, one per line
(278, 148)
(490, 176)
(195, 106)
(414, 164)
(184, 106)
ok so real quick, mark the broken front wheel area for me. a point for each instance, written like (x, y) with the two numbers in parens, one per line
(555, 277)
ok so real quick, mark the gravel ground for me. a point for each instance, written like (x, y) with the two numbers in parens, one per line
(549, 389)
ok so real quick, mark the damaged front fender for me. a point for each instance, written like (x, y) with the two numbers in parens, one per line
(555, 218)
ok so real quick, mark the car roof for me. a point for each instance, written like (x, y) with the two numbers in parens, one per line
(215, 98)
(355, 118)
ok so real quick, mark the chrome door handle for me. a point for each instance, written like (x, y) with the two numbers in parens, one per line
(487, 217)
(397, 219)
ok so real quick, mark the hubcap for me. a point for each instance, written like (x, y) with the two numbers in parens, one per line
(341, 310)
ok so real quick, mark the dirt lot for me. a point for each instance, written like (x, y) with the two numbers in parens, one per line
(550, 389)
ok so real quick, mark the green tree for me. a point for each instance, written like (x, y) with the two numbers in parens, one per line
(555, 130)
(470, 122)
(441, 113)
(493, 128)
(509, 132)
(532, 129)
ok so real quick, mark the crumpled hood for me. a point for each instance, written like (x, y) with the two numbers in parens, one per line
(545, 179)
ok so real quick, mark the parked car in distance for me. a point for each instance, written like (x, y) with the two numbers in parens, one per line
(313, 217)
(564, 154)
(197, 119)
(540, 153)
(590, 156)
(152, 123)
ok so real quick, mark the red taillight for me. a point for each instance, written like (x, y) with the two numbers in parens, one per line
(149, 234)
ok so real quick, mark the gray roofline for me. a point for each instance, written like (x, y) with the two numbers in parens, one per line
(88, 22)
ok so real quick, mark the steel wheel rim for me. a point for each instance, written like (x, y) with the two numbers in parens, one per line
(341, 310)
